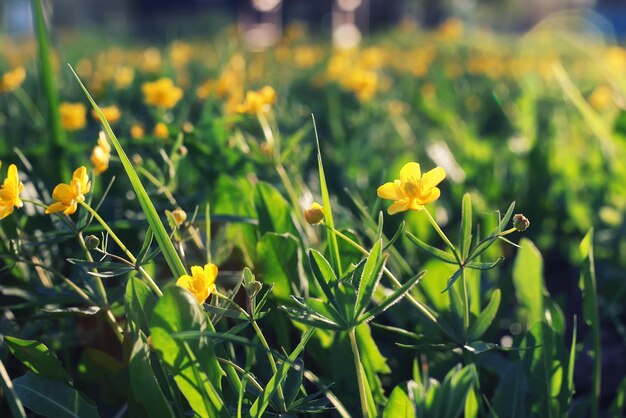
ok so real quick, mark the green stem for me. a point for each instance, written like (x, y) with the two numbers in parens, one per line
(270, 357)
(131, 257)
(465, 302)
(443, 236)
(360, 375)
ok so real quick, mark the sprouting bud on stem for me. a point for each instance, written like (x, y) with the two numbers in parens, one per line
(314, 214)
(92, 242)
(520, 222)
(179, 216)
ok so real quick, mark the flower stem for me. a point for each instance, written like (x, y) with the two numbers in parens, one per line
(131, 257)
(443, 236)
(360, 375)
(270, 357)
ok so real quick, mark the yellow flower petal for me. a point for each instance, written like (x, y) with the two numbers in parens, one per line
(210, 272)
(433, 178)
(391, 190)
(5, 210)
(56, 207)
(399, 206)
(410, 172)
(63, 192)
(430, 196)
(71, 208)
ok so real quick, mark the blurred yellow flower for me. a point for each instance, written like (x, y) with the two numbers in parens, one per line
(111, 113)
(362, 82)
(413, 190)
(161, 131)
(10, 193)
(73, 116)
(161, 93)
(101, 154)
(201, 283)
(68, 195)
(123, 77)
(601, 98)
(205, 89)
(137, 131)
(259, 101)
(12, 80)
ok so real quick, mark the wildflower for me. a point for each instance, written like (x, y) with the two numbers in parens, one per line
(137, 131)
(259, 101)
(179, 216)
(314, 214)
(68, 195)
(362, 82)
(520, 222)
(111, 113)
(10, 193)
(601, 98)
(73, 116)
(101, 154)
(205, 89)
(161, 93)
(123, 77)
(160, 130)
(413, 190)
(201, 283)
(12, 80)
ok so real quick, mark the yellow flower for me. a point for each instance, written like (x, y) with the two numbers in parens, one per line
(123, 77)
(12, 80)
(68, 195)
(10, 193)
(161, 131)
(201, 283)
(101, 154)
(161, 93)
(73, 116)
(259, 101)
(413, 190)
(111, 113)
(136, 131)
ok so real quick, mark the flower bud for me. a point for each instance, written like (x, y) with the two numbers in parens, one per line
(179, 216)
(520, 222)
(314, 214)
(92, 242)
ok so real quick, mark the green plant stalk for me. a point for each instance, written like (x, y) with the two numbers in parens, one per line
(270, 357)
(443, 236)
(30, 107)
(360, 374)
(466, 307)
(155, 288)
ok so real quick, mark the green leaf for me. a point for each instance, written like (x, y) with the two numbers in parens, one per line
(395, 236)
(192, 363)
(36, 357)
(292, 384)
(509, 399)
(273, 211)
(465, 240)
(260, 404)
(487, 265)
(507, 217)
(391, 299)
(139, 303)
(279, 263)
(528, 281)
(169, 252)
(486, 317)
(328, 213)
(52, 398)
(453, 279)
(373, 362)
(588, 286)
(324, 275)
(144, 384)
(435, 252)
(479, 347)
(370, 277)
(15, 405)
(399, 404)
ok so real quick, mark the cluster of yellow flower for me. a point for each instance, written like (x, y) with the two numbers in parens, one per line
(258, 101)
(161, 93)
(10, 193)
(101, 154)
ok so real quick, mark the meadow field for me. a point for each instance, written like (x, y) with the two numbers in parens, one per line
(428, 225)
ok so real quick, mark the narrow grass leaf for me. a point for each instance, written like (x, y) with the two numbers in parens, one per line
(171, 256)
(486, 317)
(429, 249)
(465, 239)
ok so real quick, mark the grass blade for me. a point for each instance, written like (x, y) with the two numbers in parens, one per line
(15, 405)
(465, 240)
(333, 246)
(171, 256)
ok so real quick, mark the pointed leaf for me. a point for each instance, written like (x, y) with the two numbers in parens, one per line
(37, 357)
(370, 276)
(429, 249)
(486, 317)
(465, 239)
